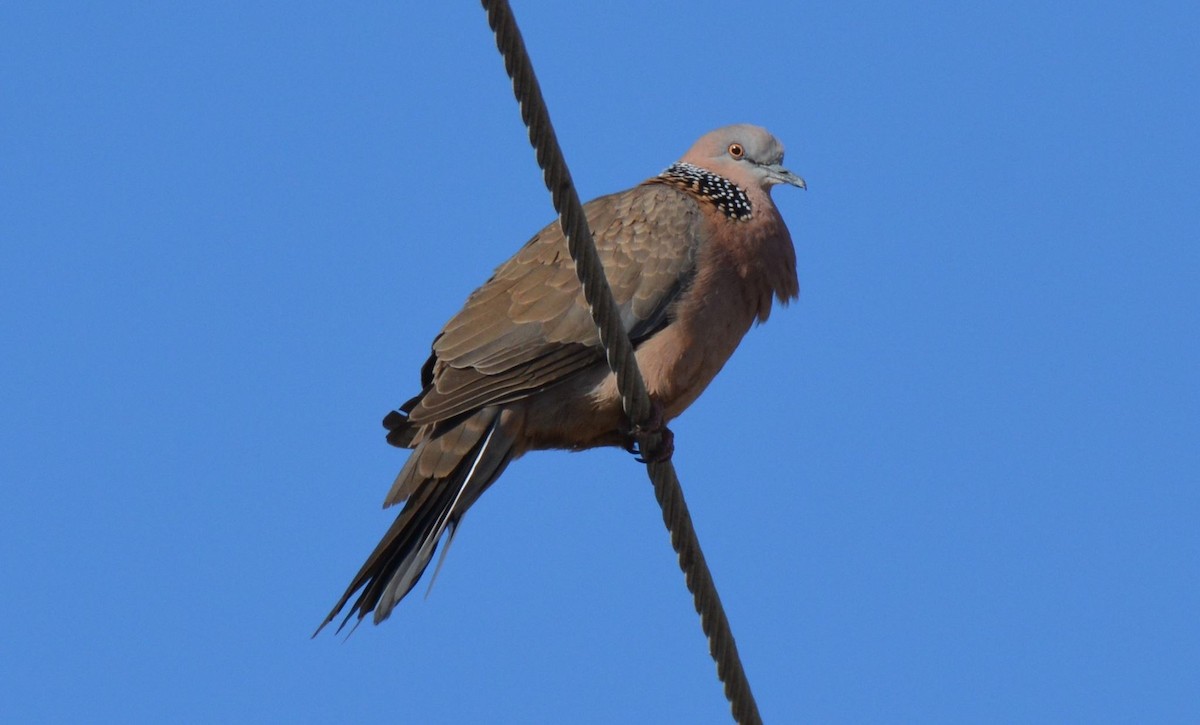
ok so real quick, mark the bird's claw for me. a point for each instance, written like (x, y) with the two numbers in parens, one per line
(637, 435)
(662, 452)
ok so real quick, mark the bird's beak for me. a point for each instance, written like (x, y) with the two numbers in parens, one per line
(779, 175)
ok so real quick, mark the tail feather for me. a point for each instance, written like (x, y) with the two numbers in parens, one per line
(442, 478)
(400, 432)
(439, 455)
(408, 572)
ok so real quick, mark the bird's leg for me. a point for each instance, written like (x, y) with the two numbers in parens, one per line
(636, 436)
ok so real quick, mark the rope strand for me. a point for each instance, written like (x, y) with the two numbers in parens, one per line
(621, 360)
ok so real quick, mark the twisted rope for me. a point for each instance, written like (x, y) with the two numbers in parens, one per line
(619, 352)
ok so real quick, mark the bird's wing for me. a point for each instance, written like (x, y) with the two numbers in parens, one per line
(528, 327)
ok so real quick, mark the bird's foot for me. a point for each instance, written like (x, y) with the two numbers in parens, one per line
(637, 437)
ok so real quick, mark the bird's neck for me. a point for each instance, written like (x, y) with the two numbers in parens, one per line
(729, 198)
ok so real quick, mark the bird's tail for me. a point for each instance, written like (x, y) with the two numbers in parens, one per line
(444, 475)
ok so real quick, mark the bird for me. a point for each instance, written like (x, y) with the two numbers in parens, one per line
(694, 256)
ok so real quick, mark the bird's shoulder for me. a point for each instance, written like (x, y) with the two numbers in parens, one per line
(648, 220)
(646, 237)
(528, 326)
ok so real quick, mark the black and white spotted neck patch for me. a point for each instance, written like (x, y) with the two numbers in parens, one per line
(727, 196)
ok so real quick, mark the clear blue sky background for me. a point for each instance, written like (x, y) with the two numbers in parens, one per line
(958, 481)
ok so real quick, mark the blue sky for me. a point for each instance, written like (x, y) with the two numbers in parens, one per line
(957, 481)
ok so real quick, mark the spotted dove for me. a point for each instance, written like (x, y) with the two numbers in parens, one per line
(694, 256)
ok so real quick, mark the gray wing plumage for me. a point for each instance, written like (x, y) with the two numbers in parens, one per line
(528, 326)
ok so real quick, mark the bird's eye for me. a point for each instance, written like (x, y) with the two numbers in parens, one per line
(736, 150)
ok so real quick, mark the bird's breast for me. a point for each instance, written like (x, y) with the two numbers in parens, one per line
(706, 326)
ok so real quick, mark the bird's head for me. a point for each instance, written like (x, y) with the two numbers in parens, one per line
(747, 155)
